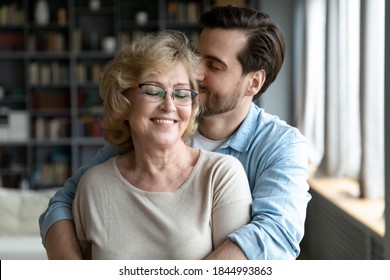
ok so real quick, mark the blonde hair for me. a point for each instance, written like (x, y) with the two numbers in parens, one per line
(131, 66)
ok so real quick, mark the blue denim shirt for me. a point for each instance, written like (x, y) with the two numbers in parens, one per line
(275, 158)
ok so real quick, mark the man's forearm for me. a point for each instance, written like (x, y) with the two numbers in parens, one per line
(61, 242)
(227, 251)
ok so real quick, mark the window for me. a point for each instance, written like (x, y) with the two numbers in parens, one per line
(339, 76)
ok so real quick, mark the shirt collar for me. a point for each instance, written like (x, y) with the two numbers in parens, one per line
(241, 139)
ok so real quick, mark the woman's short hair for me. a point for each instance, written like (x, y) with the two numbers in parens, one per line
(154, 52)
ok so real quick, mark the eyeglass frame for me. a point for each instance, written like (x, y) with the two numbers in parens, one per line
(194, 93)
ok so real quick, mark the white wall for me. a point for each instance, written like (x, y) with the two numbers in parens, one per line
(278, 99)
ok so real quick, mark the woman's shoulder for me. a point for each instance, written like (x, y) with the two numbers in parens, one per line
(227, 173)
(219, 160)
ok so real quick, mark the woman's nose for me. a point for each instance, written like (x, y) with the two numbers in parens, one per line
(168, 103)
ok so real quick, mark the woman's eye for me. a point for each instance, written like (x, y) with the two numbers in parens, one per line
(180, 94)
(154, 92)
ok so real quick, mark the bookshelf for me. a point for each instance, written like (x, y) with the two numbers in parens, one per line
(49, 102)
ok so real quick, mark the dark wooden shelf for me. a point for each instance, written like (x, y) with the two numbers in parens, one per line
(61, 85)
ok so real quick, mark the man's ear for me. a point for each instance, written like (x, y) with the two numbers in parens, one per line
(256, 81)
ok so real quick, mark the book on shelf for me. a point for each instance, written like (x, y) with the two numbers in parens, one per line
(54, 42)
(183, 11)
(81, 73)
(33, 73)
(31, 43)
(54, 170)
(11, 41)
(59, 72)
(50, 99)
(194, 11)
(51, 128)
(46, 74)
(77, 40)
(11, 14)
(89, 127)
(85, 73)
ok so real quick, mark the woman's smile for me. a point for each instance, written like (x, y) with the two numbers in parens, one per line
(164, 121)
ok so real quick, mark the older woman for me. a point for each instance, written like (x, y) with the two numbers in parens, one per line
(160, 198)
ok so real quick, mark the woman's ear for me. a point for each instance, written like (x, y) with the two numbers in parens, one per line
(256, 81)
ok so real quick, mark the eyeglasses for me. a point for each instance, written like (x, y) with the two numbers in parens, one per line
(182, 97)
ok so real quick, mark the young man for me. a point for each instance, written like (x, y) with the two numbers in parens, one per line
(241, 52)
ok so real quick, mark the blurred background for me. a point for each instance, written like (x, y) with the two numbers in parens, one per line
(332, 87)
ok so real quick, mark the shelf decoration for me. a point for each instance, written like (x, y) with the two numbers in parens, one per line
(141, 18)
(42, 13)
(94, 5)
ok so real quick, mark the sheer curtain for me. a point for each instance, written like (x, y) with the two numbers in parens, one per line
(372, 175)
(309, 76)
(339, 88)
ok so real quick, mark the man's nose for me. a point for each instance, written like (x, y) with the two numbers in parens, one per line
(200, 72)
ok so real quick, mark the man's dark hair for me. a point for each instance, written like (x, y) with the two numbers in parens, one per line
(265, 46)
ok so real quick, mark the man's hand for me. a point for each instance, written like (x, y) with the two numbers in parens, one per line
(61, 242)
(227, 251)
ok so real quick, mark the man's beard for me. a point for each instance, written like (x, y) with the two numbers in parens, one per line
(216, 103)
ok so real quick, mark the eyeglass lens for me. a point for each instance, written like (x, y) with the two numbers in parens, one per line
(156, 93)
